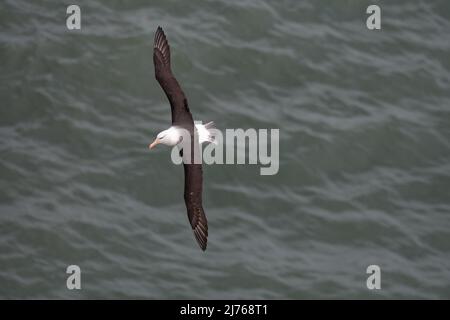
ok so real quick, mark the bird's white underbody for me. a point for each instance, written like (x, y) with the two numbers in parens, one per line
(174, 135)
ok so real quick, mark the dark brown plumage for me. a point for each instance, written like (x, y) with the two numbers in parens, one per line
(181, 116)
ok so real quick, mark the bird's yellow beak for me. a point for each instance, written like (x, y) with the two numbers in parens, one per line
(154, 143)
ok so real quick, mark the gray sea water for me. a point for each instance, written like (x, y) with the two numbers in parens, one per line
(364, 178)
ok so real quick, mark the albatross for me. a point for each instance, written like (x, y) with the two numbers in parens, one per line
(182, 121)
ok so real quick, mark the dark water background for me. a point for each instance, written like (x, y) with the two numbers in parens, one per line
(364, 119)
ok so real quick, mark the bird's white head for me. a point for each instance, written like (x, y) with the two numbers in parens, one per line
(169, 137)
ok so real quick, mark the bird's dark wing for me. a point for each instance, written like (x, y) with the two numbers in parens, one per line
(181, 116)
(163, 73)
(193, 179)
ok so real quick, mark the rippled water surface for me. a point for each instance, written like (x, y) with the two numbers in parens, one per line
(364, 119)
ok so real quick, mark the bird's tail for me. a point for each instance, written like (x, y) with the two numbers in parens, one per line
(210, 125)
(206, 133)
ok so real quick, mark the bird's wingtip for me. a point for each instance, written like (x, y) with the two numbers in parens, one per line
(159, 30)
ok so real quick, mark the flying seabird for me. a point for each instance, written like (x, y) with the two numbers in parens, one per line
(182, 119)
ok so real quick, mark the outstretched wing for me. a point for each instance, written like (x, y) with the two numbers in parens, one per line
(193, 176)
(193, 179)
(163, 73)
